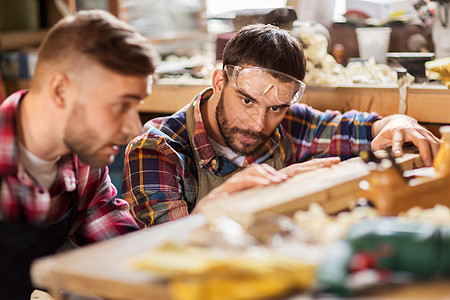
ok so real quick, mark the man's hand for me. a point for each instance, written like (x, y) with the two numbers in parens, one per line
(310, 165)
(252, 176)
(398, 129)
(262, 175)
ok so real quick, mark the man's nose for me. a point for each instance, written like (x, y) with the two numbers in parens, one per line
(132, 126)
(257, 120)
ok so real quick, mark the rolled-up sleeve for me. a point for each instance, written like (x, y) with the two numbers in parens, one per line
(154, 181)
(330, 133)
(101, 216)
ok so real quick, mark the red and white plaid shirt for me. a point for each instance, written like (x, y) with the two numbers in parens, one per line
(22, 200)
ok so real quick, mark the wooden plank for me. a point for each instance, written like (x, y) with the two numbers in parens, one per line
(392, 195)
(104, 269)
(334, 188)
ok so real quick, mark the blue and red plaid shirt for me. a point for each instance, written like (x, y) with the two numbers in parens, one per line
(99, 216)
(161, 177)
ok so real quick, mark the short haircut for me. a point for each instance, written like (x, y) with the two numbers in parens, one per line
(100, 37)
(266, 46)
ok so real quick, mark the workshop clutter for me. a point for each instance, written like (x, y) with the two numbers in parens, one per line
(382, 10)
(311, 252)
(314, 252)
(224, 261)
(441, 67)
(385, 250)
(373, 42)
(323, 70)
(212, 273)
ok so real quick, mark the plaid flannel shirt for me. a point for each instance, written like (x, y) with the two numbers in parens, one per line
(99, 216)
(161, 178)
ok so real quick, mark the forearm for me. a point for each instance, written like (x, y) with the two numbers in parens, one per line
(345, 135)
(157, 211)
(103, 216)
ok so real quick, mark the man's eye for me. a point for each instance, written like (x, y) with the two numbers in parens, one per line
(122, 107)
(246, 101)
(275, 108)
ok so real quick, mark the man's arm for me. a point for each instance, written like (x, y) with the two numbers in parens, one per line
(255, 175)
(158, 181)
(258, 175)
(160, 187)
(100, 214)
(397, 129)
(323, 134)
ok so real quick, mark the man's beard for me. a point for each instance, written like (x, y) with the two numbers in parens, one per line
(83, 141)
(230, 134)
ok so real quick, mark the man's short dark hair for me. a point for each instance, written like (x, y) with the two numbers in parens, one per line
(100, 37)
(266, 46)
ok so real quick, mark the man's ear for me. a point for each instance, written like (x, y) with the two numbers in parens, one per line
(59, 89)
(218, 81)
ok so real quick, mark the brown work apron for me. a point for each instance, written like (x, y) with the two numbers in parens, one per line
(207, 181)
(20, 244)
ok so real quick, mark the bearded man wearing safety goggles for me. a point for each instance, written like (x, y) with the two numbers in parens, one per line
(250, 130)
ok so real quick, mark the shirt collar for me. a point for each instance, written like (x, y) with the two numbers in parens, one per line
(68, 168)
(205, 151)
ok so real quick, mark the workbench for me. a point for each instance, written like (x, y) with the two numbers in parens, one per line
(105, 269)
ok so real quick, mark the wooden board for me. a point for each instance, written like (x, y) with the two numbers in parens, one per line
(335, 189)
(104, 269)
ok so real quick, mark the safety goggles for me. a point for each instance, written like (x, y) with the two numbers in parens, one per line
(256, 81)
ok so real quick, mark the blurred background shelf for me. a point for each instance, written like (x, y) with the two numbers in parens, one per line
(425, 102)
(22, 38)
(13, 85)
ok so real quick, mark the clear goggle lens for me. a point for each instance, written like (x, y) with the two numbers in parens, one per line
(256, 81)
